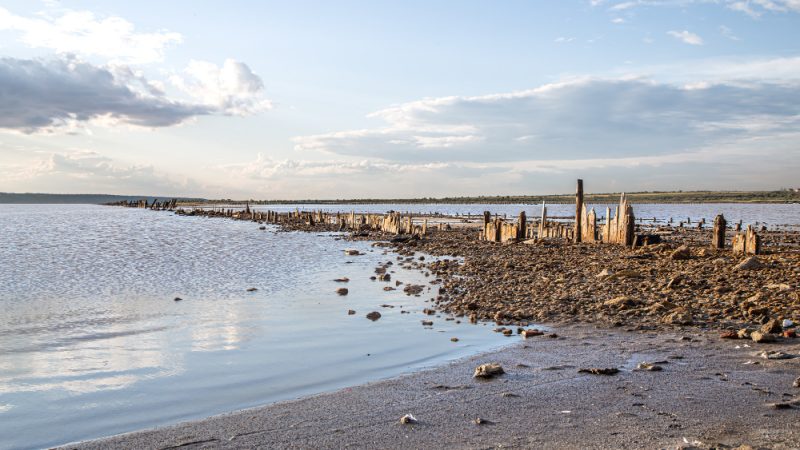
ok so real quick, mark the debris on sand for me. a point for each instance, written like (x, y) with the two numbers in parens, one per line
(600, 371)
(488, 370)
(650, 367)
(408, 419)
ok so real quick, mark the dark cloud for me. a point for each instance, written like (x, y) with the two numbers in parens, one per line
(43, 95)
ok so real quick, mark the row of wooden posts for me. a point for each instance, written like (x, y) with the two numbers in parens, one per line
(618, 229)
(167, 205)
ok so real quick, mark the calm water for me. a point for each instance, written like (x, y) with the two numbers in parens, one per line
(92, 343)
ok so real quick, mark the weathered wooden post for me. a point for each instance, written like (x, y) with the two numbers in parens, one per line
(576, 235)
(542, 225)
(718, 238)
(522, 226)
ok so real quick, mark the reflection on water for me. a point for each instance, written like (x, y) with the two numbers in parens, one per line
(92, 342)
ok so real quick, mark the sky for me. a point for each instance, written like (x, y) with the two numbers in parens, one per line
(378, 99)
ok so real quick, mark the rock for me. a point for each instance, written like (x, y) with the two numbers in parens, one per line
(743, 333)
(531, 333)
(342, 291)
(177, 299)
(787, 323)
(252, 289)
(761, 338)
(453, 339)
(729, 334)
(681, 253)
(374, 315)
(384, 277)
(781, 405)
(796, 383)
(351, 252)
(342, 280)
(791, 333)
(413, 289)
(751, 263)
(427, 323)
(388, 288)
(649, 367)
(774, 354)
(680, 316)
(508, 332)
(350, 312)
(621, 302)
(772, 326)
(604, 273)
(480, 421)
(408, 419)
(262, 228)
(600, 371)
(489, 370)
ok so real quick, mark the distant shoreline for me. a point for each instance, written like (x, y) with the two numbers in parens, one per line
(678, 197)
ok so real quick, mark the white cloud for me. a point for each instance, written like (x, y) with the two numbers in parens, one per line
(232, 88)
(81, 32)
(85, 171)
(563, 39)
(687, 37)
(728, 33)
(78, 94)
(575, 119)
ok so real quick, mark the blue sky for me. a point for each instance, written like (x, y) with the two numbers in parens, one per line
(394, 99)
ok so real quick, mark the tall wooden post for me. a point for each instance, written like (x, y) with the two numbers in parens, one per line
(718, 238)
(521, 226)
(576, 236)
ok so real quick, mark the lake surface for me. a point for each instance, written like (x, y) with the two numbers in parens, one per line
(93, 344)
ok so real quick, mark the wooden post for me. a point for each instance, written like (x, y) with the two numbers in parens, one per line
(718, 238)
(521, 226)
(542, 224)
(576, 235)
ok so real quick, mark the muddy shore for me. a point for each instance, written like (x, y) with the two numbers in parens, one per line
(710, 393)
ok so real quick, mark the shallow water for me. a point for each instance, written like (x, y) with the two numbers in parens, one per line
(92, 343)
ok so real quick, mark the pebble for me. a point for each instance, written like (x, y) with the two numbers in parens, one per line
(373, 316)
(342, 291)
(408, 419)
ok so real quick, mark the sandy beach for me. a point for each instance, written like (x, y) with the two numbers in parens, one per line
(710, 393)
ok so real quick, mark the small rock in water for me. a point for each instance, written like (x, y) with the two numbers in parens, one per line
(388, 288)
(262, 228)
(408, 419)
(351, 252)
(177, 299)
(531, 333)
(342, 291)
(600, 371)
(350, 312)
(488, 370)
(374, 315)
(342, 280)
(427, 323)
(453, 339)
(252, 289)
(384, 277)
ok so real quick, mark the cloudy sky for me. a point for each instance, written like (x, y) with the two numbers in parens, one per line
(348, 99)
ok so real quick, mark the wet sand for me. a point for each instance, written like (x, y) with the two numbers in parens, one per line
(709, 393)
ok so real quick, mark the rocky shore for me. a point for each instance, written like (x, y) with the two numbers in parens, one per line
(680, 282)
